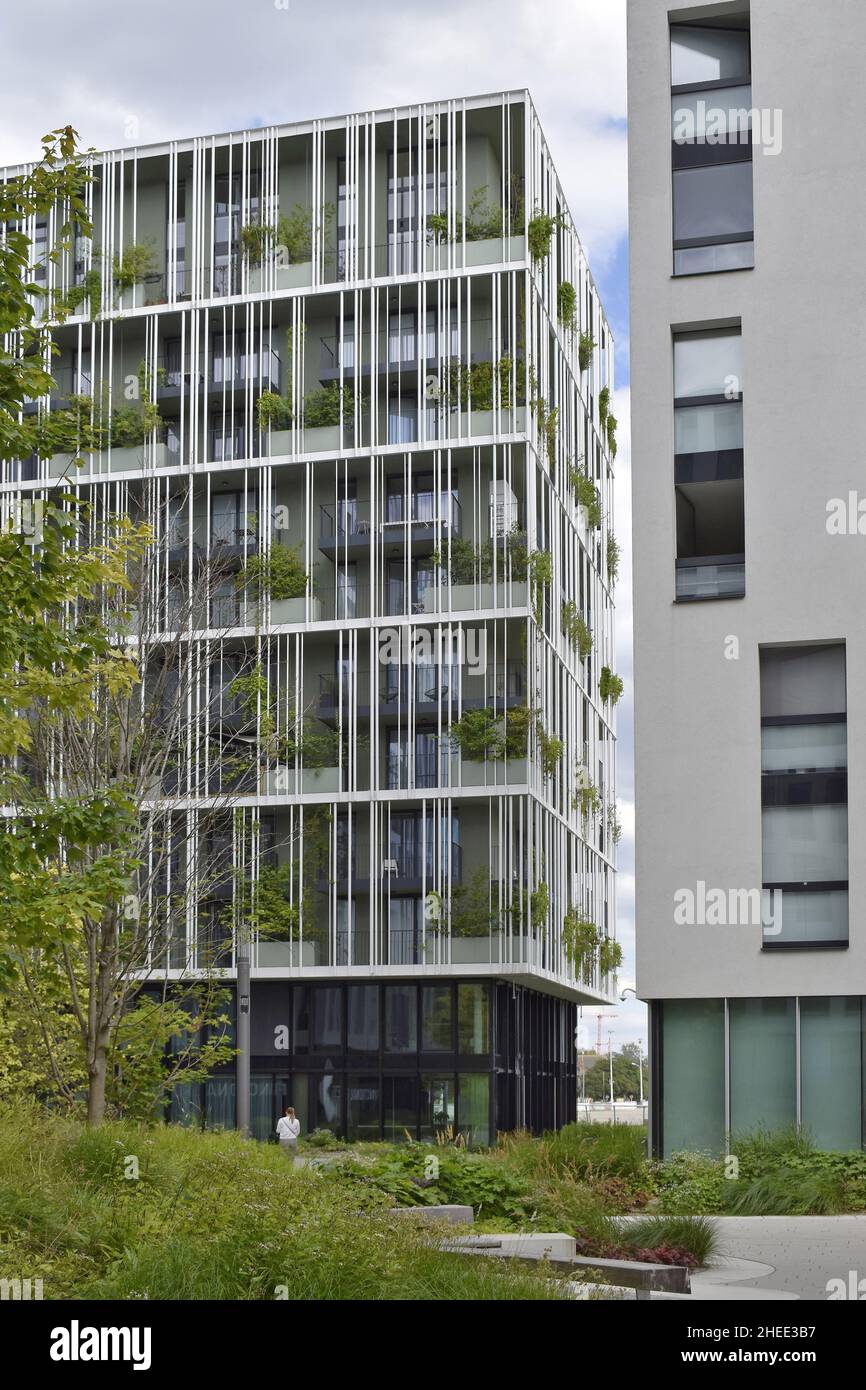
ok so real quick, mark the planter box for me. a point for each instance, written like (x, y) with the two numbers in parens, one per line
(328, 437)
(287, 953)
(127, 460)
(458, 598)
(285, 277)
(283, 780)
(294, 610)
(511, 772)
(487, 950)
(280, 442)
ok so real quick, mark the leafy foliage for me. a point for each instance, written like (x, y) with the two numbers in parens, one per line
(566, 305)
(610, 686)
(585, 348)
(575, 629)
(539, 234)
(278, 571)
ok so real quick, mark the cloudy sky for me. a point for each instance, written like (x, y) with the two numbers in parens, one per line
(133, 74)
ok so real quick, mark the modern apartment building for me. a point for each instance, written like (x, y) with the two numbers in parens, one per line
(746, 187)
(356, 376)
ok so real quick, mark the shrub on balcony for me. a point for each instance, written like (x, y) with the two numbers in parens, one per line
(539, 907)
(478, 735)
(133, 424)
(614, 827)
(587, 799)
(90, 288)
(586, 495)
(279, 572)
(609, 956)
(575, 629)
(483, 220)
(613, 557)
(539, 233)
(472, 910)
(585, 348)
(472, 387)
(295, 233)
(603, 405)
(610, 686)
(273, 411)
(540, 578)
(465, 563)
(327, 406)
(138, 261)
(566, 305)
(580, 938)
(611, 435)
(255, 237)
(314, 744)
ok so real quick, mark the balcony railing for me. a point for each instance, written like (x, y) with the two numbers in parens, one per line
(406, 769)
(400, 863)
(460, 684)
(711, 576)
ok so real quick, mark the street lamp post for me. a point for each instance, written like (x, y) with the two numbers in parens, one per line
(243, 1032)
(640, 1066)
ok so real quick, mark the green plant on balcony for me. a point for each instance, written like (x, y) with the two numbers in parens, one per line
(465, 563)
(483, 220)
(89, 288)
(585, 347)
(133, 424)
(255, 237)
(266, 901)
(478, 735)
(252, 692)
(472, 387)
(613, 557)
(312, 743)
(611, 435)
(609, 956)
(539, 233)
(295, 233)
(575, 629)
(471, 907)
(273, 411)
(603, 405)
(327, 406)
(580, 939)
(586, 495)
(566, 305)
(546, 419)
(610, 686)
(136, 263)
(279, 572)
(614, 826)
(587, 798)
(539, 908)
(540, 571)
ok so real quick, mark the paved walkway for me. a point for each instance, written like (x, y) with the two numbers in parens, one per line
(785, 1256)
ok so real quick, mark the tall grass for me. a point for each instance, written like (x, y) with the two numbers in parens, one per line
(211, 1216)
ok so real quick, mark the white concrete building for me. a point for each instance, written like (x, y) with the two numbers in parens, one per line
(748, 357)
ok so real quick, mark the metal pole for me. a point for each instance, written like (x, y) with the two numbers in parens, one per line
(610, 1064)
(640, 1066)
(243, 1034)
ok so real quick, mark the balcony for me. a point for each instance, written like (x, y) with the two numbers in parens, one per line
(229, 372)
(405, 867)
(345, 528)
(407, 769)
(711, 577)
(336, 696)
(500, 687)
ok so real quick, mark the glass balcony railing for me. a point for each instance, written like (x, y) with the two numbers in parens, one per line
(419, 858)
(711, 576)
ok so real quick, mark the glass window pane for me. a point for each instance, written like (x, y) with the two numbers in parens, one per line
(708, 260)
(700, 429)
(805, 844)
(474, 1109)
(708, 55)
(295, 1091)
(436, 1032)
(401, 1018)
(830, 1071)
(803, 680)
(362, 1108)
(327, 1018)
(763, 1068)
(792, 916)
(328, 1109)
(472, 1020)
(803, 747)
(693, 1075)
(722, 112)
(301, 1018)
(363, 1018)
(705, 364)
(220, 1102)
(400, 1108)
(713, 200)
(437, 1105)
(262, 1118)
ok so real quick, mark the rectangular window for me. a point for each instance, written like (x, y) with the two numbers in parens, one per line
(693, 1075)
(437, 1019)
(763, 1064)
(708, 465)
(831, 1072)
(362, 1108)
(363, 1005)
(473, 1108)
(437, 1105)
(711, 105)
(804, 794)
(401, 1018)
(473, 1001)
(400, 1107)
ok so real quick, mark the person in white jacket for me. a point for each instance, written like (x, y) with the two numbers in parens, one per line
(288, 1129)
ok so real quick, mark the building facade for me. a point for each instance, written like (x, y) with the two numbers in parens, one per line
(746, 180)
(356, 377)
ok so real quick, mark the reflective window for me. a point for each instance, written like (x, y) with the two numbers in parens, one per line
(327, 1018)
(693, 1075)
(400, 1110)
(708, 364)
(803, 680)
(437, 1105)
(328, 1101)
(707, 428)
(472, 1020)
(401, 1018)
(708, 55)
(763, 1064)
(713, 200)
(362, 1108)
(436, 1025)
(363, 1010)
(830, 1072)
(473, 1108)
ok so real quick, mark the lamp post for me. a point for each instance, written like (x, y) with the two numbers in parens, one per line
(610, 1065)
(243, 1032)
(640, 1066)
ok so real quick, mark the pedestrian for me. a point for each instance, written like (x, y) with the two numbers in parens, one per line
(288, 1129)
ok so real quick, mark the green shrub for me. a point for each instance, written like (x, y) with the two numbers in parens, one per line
(566, 305)
(610, 686)
(540, 233)
(587, 496)
(575, 629)
(273, 411)
(603, 405)
(585, 348)
(613, 558)
(328, 406)
(695, 1234)
(279, 572)
(138, 261)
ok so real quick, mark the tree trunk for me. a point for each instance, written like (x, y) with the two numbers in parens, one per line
(96, 1086)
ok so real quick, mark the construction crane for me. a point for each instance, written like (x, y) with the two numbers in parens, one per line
(598, 1040)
